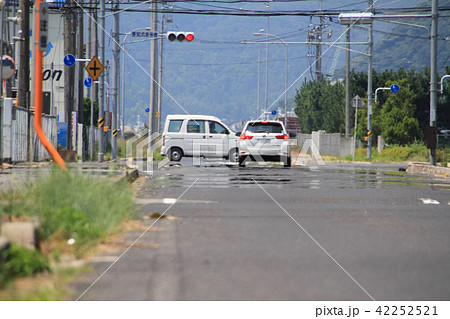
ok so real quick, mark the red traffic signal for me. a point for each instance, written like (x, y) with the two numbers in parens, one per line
(180, 36)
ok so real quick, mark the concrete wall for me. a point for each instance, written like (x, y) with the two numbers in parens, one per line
(329, 144)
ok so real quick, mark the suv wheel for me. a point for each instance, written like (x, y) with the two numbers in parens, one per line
(175, 154)
(287, 161)
(242, 161)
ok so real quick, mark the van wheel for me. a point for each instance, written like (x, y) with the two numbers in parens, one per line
(233, 155)
(175, 154)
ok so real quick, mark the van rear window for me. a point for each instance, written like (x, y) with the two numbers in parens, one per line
(175, 125)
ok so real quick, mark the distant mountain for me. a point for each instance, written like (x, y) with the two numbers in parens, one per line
(408, 46)
(218, 75)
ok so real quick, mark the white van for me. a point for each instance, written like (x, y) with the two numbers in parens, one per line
(198, 135)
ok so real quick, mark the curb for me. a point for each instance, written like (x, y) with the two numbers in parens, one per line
(427, 169)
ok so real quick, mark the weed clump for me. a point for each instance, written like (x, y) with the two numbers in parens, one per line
(21, 262)
(71, 206)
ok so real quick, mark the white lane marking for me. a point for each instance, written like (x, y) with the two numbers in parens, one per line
(170, 201)
(429, 201)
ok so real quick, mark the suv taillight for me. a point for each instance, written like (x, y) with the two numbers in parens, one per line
(282, 137)
(246, 137)
(164, 140)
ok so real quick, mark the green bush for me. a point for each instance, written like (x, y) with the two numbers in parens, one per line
(21, 262)
(396, 153)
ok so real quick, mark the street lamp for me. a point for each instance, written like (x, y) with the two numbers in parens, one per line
(260, 33)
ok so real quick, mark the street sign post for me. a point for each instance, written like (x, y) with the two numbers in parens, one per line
(95, 68)
(357, 103)
(394, 89)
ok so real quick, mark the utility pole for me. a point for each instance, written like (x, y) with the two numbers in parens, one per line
(80, 68)
(347, 85)
(432, 139)
(315, 34)
(153, 74)
(23, 93)
(89, 89)
(369, 88)
(94, 84)
(107, 95)
(70, 29)
(160, 73)
(116, 84)
(2, 5)
(266, 96)
(101, 100)
(319, 49)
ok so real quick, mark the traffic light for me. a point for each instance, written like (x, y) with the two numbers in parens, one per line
(180, 36)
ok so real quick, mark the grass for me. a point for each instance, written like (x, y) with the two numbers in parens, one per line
(75, 212)
(413, 153)
(42, 287)
(70, 205)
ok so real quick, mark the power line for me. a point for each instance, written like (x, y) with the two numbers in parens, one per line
(231, 11)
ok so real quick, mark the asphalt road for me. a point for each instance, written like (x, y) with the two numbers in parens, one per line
(333, 232)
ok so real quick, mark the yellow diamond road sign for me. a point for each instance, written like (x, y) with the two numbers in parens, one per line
(94, 68)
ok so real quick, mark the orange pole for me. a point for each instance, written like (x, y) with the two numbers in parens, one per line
(38, 98)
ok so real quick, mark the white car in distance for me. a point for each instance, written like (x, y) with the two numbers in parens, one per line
(264, 141)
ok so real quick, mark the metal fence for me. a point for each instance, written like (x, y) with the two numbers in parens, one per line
(15, 137)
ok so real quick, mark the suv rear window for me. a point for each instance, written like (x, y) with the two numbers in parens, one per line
(175, 126)
(259, 127)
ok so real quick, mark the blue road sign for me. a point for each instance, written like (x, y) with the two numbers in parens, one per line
(62, 134)
(395, 88)
(147, 110)
(88, 82)
(144, 34)
(69, 60)
(274, 112)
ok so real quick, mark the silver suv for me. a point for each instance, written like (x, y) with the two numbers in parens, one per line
(264, 141)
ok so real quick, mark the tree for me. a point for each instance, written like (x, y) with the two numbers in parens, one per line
(397, 122)
(321, 106)
(87, 112)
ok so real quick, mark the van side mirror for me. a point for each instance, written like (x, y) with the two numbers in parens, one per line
(292, 135)
(238, 134)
